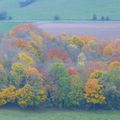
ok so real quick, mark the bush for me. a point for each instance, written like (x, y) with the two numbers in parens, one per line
(56, 17)
(94, 17)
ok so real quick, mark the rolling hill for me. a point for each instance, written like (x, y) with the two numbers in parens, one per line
(65, 9)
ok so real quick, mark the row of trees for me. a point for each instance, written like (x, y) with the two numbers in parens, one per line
(4, 15)
(66, 71)
(102, 18)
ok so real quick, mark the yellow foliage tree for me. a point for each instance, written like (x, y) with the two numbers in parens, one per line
(25, 96)
(26, 58)
(7, 95)
(17, 66)
(96, 74)
(36, 39)
(29, 96)
(76, 41)
(40, 96)
(94, 92)
(108, 50)
(17, 73)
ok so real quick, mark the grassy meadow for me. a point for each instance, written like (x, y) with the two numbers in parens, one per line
(74, 10)
(13, 114)
(45, 10)
(5, 27)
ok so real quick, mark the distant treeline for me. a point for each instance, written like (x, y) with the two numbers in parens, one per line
(4, 15)
(102, 18)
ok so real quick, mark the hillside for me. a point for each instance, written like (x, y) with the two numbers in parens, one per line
(65, 9)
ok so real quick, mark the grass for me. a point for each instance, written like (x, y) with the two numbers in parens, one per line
(66, 9)
(45, 10)
(13, 114)
(6, 27)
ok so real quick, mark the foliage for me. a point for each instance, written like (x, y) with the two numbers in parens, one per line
(60, 74)
(81, 59)
(17, 74)
(26, 58)
(25, 96)
(75, 94)
(96, 74)
(94, 92)
(111, 81)
(73, 71)
(108, 50)
(7, 95)
(67, 71)
(3, 77)
(114, 64)
(56, 53)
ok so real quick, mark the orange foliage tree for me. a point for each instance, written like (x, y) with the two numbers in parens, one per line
(114, 64)
(94, 92)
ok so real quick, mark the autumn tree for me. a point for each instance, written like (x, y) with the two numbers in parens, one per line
(94, 92)
(3, 77)
(96, 74)
(114, 64)
(7, 95)
(108, 50)
(75, 94)
(25, 96)
(58, 81)
(17, 74)
(111, 81)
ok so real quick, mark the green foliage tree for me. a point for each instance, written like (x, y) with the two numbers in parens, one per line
(59, 83)
(75, 94)
(111, 81)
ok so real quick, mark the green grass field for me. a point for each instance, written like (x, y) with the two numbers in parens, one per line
(5, 27)
(13, 114)
(45, 10)
(66, 9)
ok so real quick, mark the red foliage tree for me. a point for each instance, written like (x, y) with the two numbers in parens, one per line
(96, 65)
(59, 54)
(20, 43)
(73, 71)
(21, 28)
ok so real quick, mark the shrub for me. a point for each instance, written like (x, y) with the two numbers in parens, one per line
(94, 17)
(56, 17)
